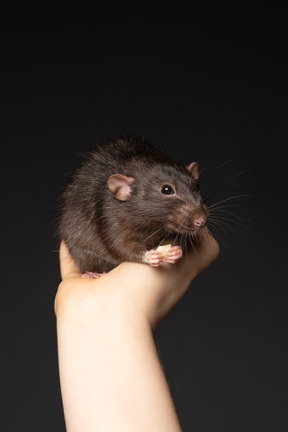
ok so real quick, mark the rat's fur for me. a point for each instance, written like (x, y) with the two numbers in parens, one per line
(102, 231)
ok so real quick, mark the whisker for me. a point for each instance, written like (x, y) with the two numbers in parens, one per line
(222, 164)
(190, 237)
(175, 239)
(229, 199)
(221, 218)
(236, 223)
(240, 173)
(208, 231)
(221, 206)
(201, 171)
(165, 238)
(226, 225)
(213, 222)
(218, 213)
(151, 235)
(227, 212)
(185, 244)
(219, 237)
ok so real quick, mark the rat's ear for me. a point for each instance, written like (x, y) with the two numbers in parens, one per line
(120, 185)
(194, 170)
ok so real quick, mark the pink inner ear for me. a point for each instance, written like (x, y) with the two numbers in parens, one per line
(120, 185)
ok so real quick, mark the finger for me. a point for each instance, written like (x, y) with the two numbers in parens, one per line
(68, 267)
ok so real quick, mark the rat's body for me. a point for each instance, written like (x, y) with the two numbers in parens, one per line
(127, 198)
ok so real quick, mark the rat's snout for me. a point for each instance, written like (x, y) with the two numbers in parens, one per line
(200, 221)
(190, 219)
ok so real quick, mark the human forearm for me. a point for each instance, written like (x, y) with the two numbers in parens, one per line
(111, 377)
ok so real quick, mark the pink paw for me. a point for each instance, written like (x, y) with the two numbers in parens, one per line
(91, 275)
(174, 254)
(153, 258)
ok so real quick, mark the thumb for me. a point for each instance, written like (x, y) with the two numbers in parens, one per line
(68, 267)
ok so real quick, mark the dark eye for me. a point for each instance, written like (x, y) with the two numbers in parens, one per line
(167, 190)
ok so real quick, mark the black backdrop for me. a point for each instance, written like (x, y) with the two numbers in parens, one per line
(205, 84)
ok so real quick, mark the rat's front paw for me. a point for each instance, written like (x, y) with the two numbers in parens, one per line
(174, 254)
(153, 258)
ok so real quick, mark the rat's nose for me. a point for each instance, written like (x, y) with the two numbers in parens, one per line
(199, 221)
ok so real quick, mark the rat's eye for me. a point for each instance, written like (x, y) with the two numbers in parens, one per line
(167, 190)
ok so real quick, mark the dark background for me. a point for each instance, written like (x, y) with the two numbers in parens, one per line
(205, 84)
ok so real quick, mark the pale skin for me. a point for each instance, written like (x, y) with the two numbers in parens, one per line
(110, 374)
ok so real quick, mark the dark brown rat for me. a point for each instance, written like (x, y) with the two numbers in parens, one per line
(126, 199)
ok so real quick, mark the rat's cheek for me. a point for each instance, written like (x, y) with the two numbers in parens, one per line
(153, 258)
(174, 254)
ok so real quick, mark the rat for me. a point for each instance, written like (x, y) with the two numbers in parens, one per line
(127, 198)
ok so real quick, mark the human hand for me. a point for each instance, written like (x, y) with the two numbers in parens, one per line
(150, 292)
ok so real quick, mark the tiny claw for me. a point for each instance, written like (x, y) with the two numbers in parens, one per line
(174, 254)
(153, 258)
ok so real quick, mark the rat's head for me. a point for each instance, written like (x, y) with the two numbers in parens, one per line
(162, 195)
